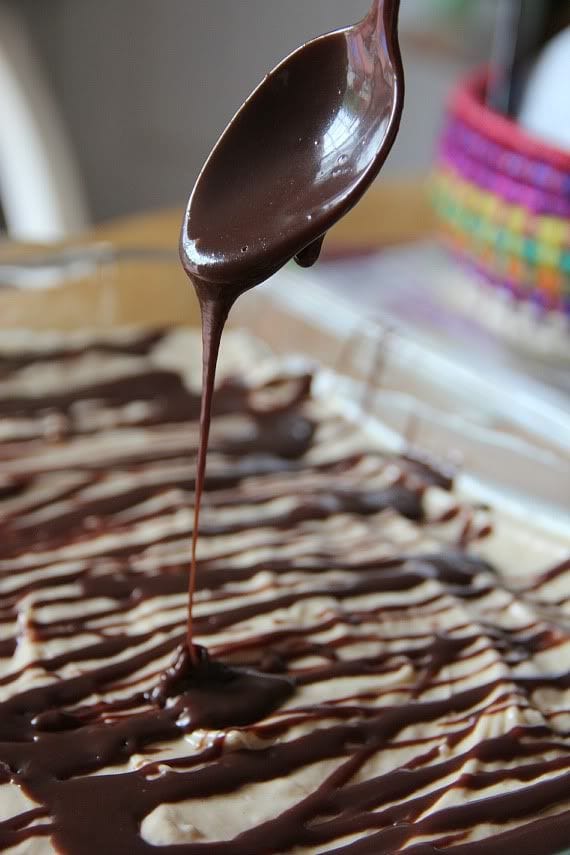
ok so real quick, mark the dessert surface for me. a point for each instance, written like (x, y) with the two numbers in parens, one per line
(398, 659)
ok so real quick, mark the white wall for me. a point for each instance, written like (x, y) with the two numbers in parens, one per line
(146, 85)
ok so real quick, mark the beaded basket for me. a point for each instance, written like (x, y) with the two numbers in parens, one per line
(503, 203)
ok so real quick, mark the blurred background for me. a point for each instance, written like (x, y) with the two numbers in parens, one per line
(128, 96)
(455, 267)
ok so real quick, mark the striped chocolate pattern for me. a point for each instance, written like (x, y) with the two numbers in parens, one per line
(424, 648)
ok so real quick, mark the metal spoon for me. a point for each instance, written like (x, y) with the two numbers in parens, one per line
(297, 156)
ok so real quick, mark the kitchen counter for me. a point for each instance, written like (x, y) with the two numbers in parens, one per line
(136, 293)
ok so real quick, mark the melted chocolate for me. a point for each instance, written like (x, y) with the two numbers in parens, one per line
(210, 694)
(91, 707)
(297, 156)
(237, 231)
(108, 696)
(214, 313)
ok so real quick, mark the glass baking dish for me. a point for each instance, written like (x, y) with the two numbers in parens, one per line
(509, 447)
(494, 426)
(97, 285)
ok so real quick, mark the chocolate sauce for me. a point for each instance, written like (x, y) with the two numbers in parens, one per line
(262, 200)
(214, 314)
(101, 700)
(297, 156)
(210, 688)
(207, 693)
(104, 553)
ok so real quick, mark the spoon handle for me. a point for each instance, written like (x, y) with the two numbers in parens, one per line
(382, 23)
(384, 13)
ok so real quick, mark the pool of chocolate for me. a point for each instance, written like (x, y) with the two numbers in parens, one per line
(391, 660)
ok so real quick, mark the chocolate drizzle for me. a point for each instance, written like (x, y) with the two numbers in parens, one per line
(214, 315)
(347, 630)
(208, 693)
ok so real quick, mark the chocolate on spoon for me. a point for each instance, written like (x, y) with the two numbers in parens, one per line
(297, 156)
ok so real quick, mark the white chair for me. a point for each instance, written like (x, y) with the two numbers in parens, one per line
(41, 192)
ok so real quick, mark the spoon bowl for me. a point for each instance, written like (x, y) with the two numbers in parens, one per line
(297, 156)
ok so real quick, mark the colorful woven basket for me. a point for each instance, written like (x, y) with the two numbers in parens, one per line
(503, 202)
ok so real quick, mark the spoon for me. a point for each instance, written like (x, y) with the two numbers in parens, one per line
(296, 157)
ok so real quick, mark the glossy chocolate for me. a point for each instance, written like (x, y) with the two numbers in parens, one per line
(107, 698)
(492, 750)
(297, 156)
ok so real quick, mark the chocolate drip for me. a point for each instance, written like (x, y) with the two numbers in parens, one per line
(210, 694)
(214, 315)
(310, 255)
